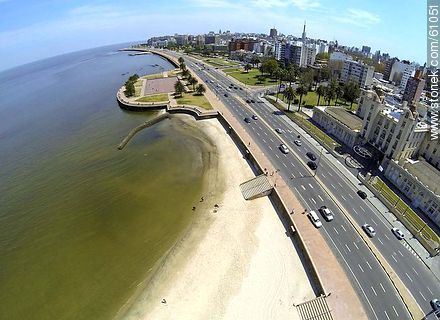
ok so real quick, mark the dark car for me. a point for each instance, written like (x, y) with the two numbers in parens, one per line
(248, 101)
(252, 101)
(254, 117)
(435, 304)
(226, 95)
(311, 156)
(362, 194)
(247, 120)
(312, 165)
(240, 88)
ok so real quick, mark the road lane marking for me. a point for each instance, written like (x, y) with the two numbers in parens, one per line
(374, 222)
(386, 236)
(330, 174)
(382, 287)
(387, 315)
(350, 196)
(355, 211)
(380, 241)
(270, 147)
(304, 188)
(347, 248)
(360, 268)
(332, 185)
(271, 140)
(408, 277)
(284, 165)
(374, 291)
(356, 245)
(322, 175)
(422, 295)
(313, 200)
(368, 265)
(320, 198)
(258, 134)
(429, 291)
(400, 253)
(293, 165)
(343, 198)
(264, 140)
(343, 228)
(392, 256)
(415, 271)
(395, 311)
(336, 230)
(340, 184)
(277, 156)
(310, 186)
(293, 176)
(362, 209)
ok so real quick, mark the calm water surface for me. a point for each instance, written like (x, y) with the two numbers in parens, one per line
(81, 223)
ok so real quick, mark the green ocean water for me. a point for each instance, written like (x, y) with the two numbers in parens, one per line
(82, 224)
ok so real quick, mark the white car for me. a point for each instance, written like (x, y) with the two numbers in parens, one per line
(284, 148)
(298, 142)
(369, 230)
(278, 130)
(399, 234)
(326, 213)
(314, 219)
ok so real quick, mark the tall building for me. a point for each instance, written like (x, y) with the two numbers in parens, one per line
(212, 39)
(366, 50)
(408, 72)
(303, 37)
(414, 88)
(357, 72)
(241, 44)
(308, 54)
(388, 67)
(323, 47)
(273, 33)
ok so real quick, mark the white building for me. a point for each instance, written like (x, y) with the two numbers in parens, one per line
(322, 47)
(340, 56)
(357, 72)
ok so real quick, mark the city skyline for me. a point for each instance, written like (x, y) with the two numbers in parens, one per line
(65, 27)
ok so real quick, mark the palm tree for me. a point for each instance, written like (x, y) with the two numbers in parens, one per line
(180, 60)
(186, 74)
(289, 93)
(247, 67)
(292, 72)
(200, 89)
(192, 81)
(182, 66)
(330, 92)
(179, 88)
(301, 90)
(339, 92)
(320, 92)
(280, 74)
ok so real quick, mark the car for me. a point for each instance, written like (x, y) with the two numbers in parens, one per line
(247, 120)
(236, 88)
(252, 101)
(232, 84)
(240, 88)
(284, 148)
(298, 142)
(314, 219)
(435, 304)
(226, 95)
(311, 156)
(362, 194)
(254, 117)
(369, 230)
(248, 101)
(312, 165)
(398, 233)
(228, 89)
(278, 130)
(326, 213)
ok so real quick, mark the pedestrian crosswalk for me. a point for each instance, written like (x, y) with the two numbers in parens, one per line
(316, 309)
(406, 245)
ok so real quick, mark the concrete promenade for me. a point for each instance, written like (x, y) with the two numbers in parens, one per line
(341, 297)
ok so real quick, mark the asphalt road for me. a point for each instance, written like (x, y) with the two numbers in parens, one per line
(375, 290)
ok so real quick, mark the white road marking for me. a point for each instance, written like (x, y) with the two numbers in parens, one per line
(284, 165)
(395, 311)
(429, 291)
(422, 295)
(387, 315)
(258, 134)
(293, 176)
(360, 268)
(264, 140)
(400, 253)
(332, 185)
(408, 277)
(343, 198)
(322, 175)
(356, 245)
(350, 196)
(293, 165)
(382, 287)
(386, 236)
(304, 188)
(335, 230)
(374, 291)
(320, 198)
(415, 271)
(310, 186)
(340, 184)
(380, 241)
(271, 139)
(355, 211)
(362, 209)
(392, 256)
(313, 200)
(330, 174)
(277, 156)
(374, 222)
(343, 228)
(270, 147)
(347, 248)
(368, 265)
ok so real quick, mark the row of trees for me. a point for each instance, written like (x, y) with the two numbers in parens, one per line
(179, 87)
(129, 85)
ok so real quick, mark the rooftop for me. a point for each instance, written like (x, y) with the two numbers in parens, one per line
(345, 117)
(425, 173)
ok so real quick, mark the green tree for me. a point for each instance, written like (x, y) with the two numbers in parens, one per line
(330, 92)
(339, 91)
(200, 89)
(301, 90)
(351, 93)
(323, 56)
(133, 78)
(289, 94)
(186, 74)
(292, 73)
(269, 66)
(192, 81)
(247, 67)
(182, 66)
(129, 89)
(180, 60)
(280, 75)
(255, 61)
(320, 92)
(179, 88)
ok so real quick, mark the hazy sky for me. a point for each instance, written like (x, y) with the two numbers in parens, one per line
(32, 30)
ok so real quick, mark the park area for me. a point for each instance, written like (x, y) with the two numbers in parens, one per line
(252, 77)
(193, 99)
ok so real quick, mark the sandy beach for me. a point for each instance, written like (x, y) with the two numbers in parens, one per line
(235, 262)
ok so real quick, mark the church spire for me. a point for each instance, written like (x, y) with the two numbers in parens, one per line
(304, 32)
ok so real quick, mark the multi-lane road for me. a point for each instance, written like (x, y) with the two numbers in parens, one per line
(327, 186)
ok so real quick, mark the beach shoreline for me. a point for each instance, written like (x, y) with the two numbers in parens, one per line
(223, 266)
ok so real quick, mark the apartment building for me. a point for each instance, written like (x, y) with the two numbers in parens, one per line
(357, 72)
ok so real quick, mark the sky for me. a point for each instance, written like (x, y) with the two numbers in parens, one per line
(32, 30)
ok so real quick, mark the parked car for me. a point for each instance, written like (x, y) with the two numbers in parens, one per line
(248, 101)
(226, 95)
(298, 142)
(435, 304)
(314, 219)
(369, 230)
(252, 101)
(362, 194)
(247, 120)
(278, 130)
(398, 233)
(312, 165)
(254, 117)
(284, 148)
(240, 88)
(311, 156)
(326, 213)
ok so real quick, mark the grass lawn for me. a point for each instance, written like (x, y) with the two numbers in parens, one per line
(154, 98)
(153, 76)
(228, 70)
(311, 99)
(251, 77)
(194, 100)
(138, 87)
(306, 125)
(219, 62)
(403, 208)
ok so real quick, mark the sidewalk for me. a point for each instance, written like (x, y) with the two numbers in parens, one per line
(433, 263)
